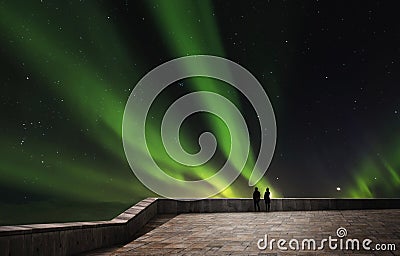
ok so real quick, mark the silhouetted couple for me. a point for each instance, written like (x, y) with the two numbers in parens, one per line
(257, 198)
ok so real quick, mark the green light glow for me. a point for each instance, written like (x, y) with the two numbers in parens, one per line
(94, 102)
(60, 176)
(84, 90)
(377, 175)
(90, 72)
(182, 41)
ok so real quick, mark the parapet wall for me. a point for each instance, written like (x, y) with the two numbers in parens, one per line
(77, 237)
(280, 204)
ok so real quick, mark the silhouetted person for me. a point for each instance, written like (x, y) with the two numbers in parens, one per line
(256, 199)
(267, 200)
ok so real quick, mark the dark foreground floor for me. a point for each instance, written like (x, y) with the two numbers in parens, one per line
(238, 233)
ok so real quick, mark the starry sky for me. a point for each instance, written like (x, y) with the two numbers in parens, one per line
(330, 69)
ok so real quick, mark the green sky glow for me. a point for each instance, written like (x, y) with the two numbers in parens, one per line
(184, 41)
(86, 61)
(95, 97)
(377, 175)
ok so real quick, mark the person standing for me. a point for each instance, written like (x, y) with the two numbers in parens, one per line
(267, 200)
(256, 199)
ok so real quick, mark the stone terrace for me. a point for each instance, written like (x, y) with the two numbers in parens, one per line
(237, 233)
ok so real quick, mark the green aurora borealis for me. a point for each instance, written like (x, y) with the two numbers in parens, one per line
(67, 72)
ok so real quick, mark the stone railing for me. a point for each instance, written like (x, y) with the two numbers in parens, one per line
(279, 204)
(76, 237)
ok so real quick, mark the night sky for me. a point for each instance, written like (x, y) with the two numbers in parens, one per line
(330, 69)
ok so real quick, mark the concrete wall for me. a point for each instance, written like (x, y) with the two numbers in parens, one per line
(76, 237)
(286, 204)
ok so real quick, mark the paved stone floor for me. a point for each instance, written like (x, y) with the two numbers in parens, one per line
(238, 233)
